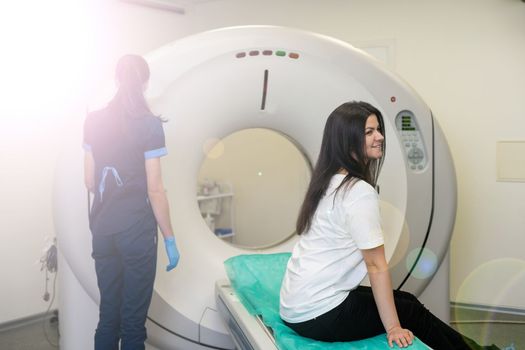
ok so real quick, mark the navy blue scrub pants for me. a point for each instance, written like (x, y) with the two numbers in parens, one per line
(357, 318)
(125, 264)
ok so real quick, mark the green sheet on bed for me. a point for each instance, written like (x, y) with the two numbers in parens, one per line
(256, 279)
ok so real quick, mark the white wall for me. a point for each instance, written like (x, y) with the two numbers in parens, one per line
(465, 58)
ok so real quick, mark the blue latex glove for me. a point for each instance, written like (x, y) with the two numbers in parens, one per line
(172, 251)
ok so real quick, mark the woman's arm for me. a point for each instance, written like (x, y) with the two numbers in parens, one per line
(161, 209)
(384, 297)
(157, 196)
(89, 171)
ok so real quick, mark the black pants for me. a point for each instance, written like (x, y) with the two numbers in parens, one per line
(125, 264)
(357, 318)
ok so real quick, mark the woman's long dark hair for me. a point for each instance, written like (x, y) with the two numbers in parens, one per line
(342, 147)
(132, 74)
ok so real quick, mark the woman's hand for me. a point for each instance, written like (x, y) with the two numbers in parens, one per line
(402, 337)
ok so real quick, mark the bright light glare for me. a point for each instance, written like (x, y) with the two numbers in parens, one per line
(45, 46)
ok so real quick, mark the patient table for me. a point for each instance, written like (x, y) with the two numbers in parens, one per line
(249, 304)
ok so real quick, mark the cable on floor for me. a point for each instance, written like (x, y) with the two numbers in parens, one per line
(50, 265)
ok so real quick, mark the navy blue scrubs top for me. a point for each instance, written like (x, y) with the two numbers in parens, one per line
(120, 148)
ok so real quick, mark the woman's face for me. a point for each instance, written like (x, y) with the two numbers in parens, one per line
(373, 138)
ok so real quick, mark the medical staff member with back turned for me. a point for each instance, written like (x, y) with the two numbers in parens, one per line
(123, 144)
(342, 240)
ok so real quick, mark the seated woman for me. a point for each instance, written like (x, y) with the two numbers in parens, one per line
(342, 240)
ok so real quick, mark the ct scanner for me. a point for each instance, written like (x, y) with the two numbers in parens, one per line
(215, 83)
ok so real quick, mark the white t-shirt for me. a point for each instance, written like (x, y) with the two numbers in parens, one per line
(326, 263)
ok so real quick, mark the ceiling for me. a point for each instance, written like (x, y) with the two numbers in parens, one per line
(178, 6)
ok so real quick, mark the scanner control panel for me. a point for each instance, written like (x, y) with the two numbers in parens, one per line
(411, 140)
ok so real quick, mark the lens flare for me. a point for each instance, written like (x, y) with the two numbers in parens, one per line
(45, 50)
(426, 265)
(496, 284)
(396, 233)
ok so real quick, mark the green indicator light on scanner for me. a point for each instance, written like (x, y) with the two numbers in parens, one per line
(280, 53)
